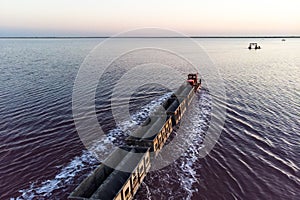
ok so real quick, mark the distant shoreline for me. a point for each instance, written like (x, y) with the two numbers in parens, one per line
(101, 37)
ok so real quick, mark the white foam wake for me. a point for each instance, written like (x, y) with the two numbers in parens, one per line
(86, 162)
(198, 125)
(44, 189)
(185, 170)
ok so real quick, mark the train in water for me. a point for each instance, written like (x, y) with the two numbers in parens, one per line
(121, 174)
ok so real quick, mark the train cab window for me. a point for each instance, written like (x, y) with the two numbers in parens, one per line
(147, 161)
(127, 193)
(141, 169)
(119, 197)
(156, 146)
(135, 179)
(159, 137)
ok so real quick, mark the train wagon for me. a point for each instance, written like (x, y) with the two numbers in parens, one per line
(187, 92)
(154, 133)
(119, 178)
(124, 169)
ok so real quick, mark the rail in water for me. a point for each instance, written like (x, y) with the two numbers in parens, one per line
(132, 162)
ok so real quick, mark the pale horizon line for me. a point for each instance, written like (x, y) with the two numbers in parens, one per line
(194, 36)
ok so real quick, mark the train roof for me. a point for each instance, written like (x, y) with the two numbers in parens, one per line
(150, 130)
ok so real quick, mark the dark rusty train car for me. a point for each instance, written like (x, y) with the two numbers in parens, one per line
(122, 173)
(119, 178)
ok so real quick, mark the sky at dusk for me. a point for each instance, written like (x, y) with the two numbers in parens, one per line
(191, 17)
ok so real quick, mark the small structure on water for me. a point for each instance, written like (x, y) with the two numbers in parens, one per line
(254, 46)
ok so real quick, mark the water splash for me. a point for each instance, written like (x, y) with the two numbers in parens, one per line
(197, 127)
(183, 175)
(87, 162)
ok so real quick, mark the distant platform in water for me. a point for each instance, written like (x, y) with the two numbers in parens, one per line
(253, 46)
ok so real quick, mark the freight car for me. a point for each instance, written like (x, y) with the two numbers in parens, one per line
(121, 174)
